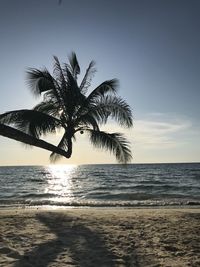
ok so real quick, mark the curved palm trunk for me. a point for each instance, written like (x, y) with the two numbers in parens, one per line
(69, 151)
(17, 135)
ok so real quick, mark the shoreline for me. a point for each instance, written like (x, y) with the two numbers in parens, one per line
(63, 208)
(86, 237)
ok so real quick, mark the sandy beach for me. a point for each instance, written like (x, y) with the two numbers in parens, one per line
(100, 237)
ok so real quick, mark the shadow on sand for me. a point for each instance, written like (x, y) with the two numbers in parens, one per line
(83, 246)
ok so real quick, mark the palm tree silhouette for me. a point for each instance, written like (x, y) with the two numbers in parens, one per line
(67, 105)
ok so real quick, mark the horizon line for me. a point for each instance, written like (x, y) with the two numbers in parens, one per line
(85, 164)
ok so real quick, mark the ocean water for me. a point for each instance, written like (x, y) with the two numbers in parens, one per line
(100, 185)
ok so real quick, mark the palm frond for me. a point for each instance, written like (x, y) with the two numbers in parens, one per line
(107, 87)
(52, 97)
(31, 122)
(71, 82)
(58, 72)
(64, 86)
(73, 98)
(108, 107)
(86, 120)
(62, 145)
(98, 112)
(86, 82)
(74, 67)
(39, 81)
(115, 108)
(49, 107)
(116, 143)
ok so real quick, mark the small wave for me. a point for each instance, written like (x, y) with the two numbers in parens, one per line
(36, 180)
(155, 203)
(39, 195)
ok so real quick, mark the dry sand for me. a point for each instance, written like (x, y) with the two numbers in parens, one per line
(100, 237)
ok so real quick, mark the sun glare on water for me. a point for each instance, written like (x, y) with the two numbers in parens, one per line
(60, 181)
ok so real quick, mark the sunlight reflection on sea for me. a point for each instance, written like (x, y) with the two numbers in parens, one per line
(59, 181)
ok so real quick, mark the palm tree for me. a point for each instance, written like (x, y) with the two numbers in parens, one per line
(17, 135)
(67, 105)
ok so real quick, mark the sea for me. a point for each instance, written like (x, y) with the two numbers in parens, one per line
(132, 185)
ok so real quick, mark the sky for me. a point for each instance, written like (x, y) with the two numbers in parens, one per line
(151, 46)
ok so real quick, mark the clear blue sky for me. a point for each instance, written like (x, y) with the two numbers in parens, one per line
(151, 46)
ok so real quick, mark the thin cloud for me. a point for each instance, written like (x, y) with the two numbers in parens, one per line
(161, 131)
(157, 131)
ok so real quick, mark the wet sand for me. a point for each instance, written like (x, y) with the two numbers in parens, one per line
(100, 237)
